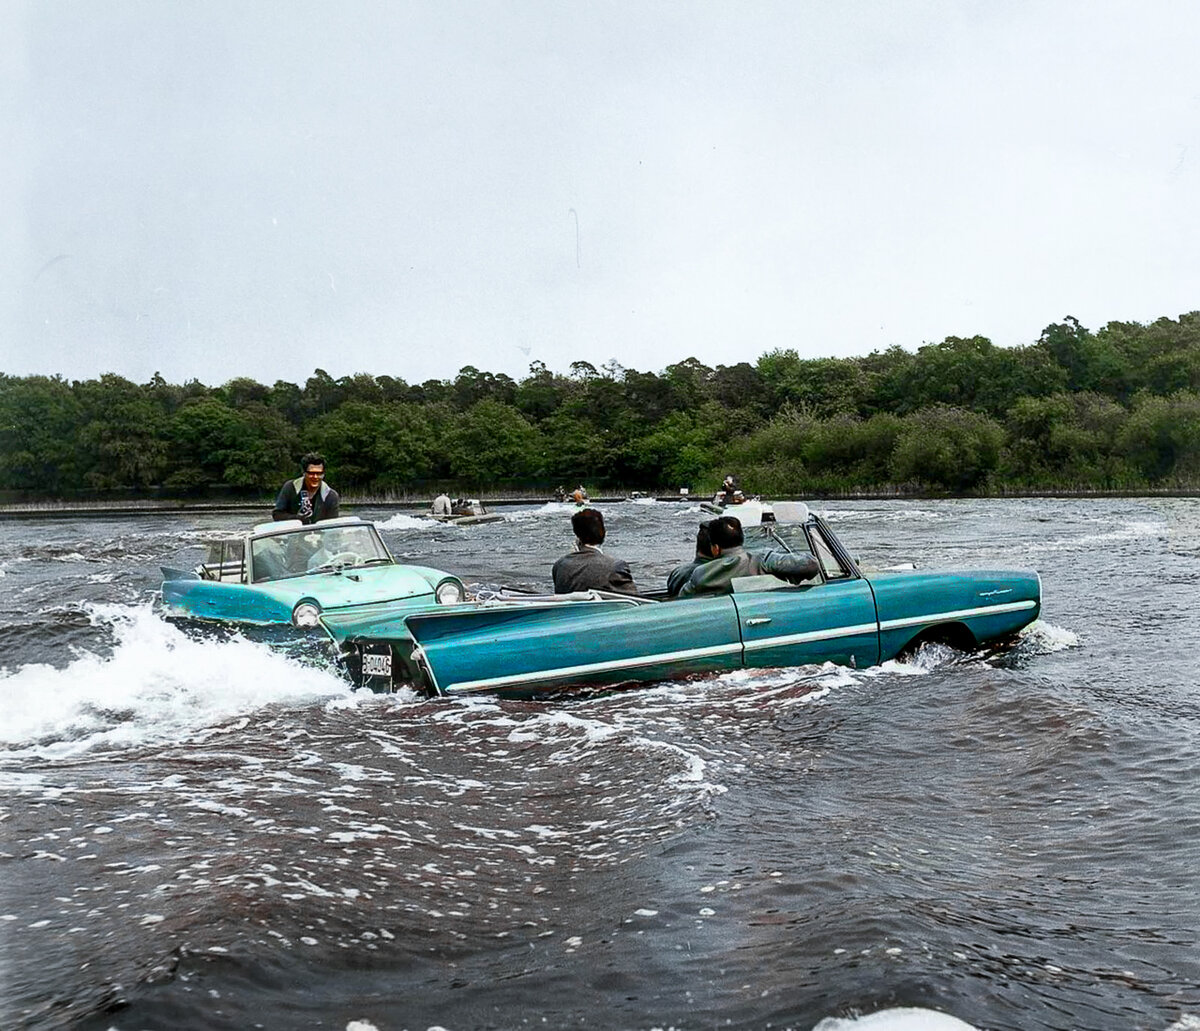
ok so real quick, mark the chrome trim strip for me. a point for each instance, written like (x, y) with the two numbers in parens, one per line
(470, 686)
(985, 610)
(829, 634)
(422, 663)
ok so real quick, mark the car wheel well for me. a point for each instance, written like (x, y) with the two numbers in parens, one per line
(954, 635)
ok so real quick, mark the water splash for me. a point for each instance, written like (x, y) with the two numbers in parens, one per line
(401, 521)
(901, 1019)
(1041, 638)
(158, 684)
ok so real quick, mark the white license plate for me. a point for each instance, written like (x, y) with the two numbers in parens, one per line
(375, 665)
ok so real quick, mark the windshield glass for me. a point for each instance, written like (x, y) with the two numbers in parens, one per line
(775, 537)
(284, 555)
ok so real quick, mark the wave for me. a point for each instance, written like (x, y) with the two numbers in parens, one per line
(1133, 530)
(903, 1018)
(891, 514)
(402, 521)
(158, 684)
(1040, 638)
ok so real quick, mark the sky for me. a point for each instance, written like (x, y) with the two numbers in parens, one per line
(234, 188)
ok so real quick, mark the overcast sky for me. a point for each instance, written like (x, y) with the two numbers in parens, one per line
(219, 189)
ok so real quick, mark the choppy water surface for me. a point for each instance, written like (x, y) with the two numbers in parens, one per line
(211, 830)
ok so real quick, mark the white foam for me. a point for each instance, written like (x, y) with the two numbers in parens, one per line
(902, 1019)
(1046, 638)
(401, 521)
(1133, 530)
(156, 685)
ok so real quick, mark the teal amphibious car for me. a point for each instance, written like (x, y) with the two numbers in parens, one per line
(523, 645)
(286, 572)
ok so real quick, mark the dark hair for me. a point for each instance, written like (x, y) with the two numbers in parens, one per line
(726, 532)
(312, 458)
(703, 541)
(588, 525)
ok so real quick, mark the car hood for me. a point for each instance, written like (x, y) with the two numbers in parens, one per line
(358, 586)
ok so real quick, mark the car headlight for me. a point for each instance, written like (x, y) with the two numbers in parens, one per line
(306, 614)
(449, 592)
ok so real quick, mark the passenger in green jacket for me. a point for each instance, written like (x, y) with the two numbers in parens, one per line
(681, 574)
(731, 560)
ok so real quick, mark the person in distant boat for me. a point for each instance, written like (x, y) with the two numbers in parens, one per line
(731, 559)
(441, 505)
(681, 574)
(308, 497)
(728, 491)
(580, 496)
(586, 567)
(462, 507)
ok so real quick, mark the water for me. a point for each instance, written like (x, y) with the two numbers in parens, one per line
(211, 830)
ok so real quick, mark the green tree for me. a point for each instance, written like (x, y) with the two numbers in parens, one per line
(541, 393)
(210, 443)
(846, 452)
(677, 452)
(122, 434)
(493, 443)
(947, 447)
(1161, 438)
(39, 423)
(383, 446)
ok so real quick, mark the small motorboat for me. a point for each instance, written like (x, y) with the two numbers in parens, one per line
(468, 512)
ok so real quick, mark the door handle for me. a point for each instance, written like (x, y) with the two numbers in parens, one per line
(758, 620)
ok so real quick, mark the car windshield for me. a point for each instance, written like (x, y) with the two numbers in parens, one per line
(315, 548)
(776, 537)
(799, 539)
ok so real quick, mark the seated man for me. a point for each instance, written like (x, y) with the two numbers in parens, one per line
(587, 567)
(680, 574)
(441, 505)
(731, 559)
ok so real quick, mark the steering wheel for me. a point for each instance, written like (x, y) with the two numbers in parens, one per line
(345, 558)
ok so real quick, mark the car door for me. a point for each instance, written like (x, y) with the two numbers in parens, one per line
(832, 619)
(560, 643)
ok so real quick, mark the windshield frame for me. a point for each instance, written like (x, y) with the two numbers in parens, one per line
(292, 553)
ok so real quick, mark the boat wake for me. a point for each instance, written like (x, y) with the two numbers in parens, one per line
(158, 684)
(401, 521)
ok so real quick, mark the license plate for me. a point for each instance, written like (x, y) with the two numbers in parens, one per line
(375, 665)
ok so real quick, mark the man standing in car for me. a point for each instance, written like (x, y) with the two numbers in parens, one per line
(308, 497)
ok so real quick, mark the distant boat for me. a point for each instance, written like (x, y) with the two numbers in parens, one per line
(468, 512)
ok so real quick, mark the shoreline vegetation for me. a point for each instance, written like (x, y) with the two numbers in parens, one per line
(1114, 412)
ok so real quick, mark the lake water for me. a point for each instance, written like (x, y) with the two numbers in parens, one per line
(211, 830)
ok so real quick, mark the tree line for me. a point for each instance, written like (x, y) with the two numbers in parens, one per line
(1118, 408)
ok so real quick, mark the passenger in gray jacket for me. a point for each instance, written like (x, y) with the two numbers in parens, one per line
(731, 559)
(587, 567)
